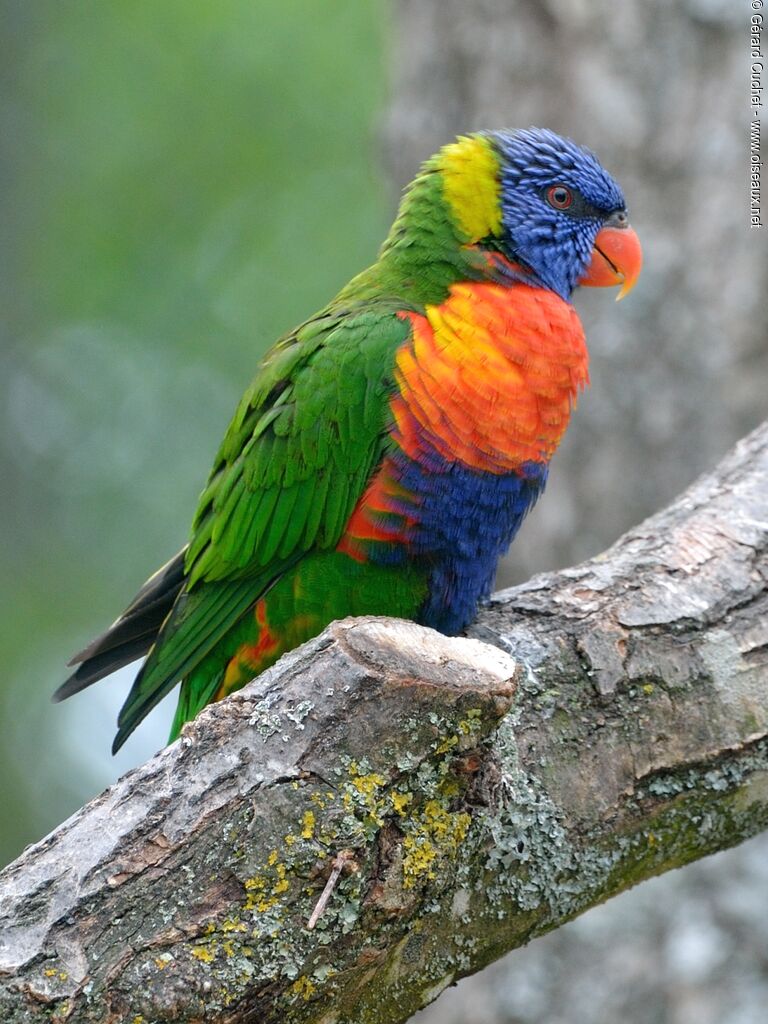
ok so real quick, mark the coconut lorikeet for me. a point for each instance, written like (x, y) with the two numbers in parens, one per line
(389, 448)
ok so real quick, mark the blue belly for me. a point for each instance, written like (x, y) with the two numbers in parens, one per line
(465, 521)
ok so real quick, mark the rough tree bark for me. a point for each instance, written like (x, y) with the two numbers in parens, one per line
(467, 796)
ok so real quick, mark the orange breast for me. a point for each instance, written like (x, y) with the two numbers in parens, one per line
(489, 377)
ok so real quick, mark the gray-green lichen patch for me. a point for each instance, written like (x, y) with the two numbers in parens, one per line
(424, 812)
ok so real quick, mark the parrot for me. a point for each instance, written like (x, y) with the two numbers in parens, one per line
(388, 449)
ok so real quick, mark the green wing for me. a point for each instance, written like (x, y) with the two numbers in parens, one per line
(295, 460)
(300, 448)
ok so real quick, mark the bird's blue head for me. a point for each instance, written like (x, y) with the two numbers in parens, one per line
(545, 203)
(555, 199)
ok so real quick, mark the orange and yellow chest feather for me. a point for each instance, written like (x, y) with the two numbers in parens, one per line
(488, 378)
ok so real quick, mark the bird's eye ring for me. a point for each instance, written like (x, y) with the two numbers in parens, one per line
(560, 197)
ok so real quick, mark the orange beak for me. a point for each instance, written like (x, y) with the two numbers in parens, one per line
(616, 259)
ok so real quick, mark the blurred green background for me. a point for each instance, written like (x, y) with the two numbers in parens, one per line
(181, 182)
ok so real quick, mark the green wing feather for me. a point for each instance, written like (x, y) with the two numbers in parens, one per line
(301, 447)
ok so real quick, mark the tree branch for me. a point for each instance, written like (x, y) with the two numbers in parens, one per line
(382, 782)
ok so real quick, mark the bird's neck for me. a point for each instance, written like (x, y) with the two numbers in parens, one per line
(426, 250)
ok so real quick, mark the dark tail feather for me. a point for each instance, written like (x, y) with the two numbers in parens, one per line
(101, 665)
(132, 634)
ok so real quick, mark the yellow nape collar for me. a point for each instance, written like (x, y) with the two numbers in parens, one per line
(469, 168)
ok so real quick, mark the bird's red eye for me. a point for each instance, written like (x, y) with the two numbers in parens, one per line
(560, 197)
